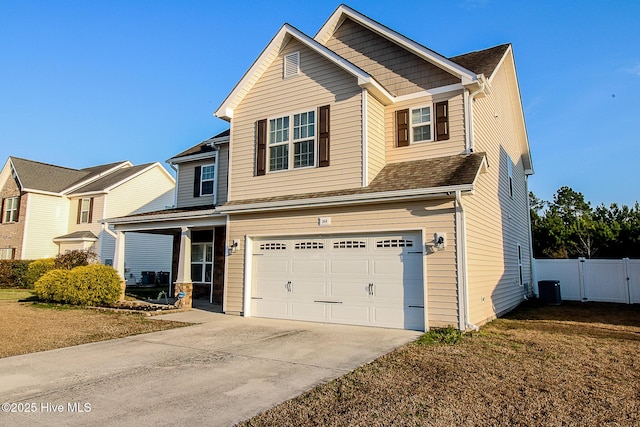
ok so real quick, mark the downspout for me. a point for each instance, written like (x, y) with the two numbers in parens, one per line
(461, 248)
(215, 171)
(470, 99)
(175, 190)
(532, 265)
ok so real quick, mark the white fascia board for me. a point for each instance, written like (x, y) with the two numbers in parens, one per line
(46, 193)
(490, 79)
(351, 199)
(163, 217)
(74, 239)
(431, 92)
(193, 157)
(410, 45)
(225, 111)
(171, 223)
(88, 193)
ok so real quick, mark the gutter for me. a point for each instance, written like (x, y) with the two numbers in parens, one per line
(380, 197)
(470, 100)
(463, 277)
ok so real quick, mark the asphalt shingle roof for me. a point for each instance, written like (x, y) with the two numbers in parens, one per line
(203, 147)
(482, 61)
(110, 179)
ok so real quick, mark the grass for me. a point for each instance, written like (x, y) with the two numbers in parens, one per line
(145, 293)
(27, 327)
(574, 365)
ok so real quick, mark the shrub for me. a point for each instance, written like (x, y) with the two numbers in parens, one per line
(94, 284)
(12, 273)
(76, 258)
(37, 269)
(449, 336)
(50, 287)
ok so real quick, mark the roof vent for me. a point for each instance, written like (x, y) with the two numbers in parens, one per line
(291, 64)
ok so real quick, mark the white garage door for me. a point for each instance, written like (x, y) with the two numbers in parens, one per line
(373, 280)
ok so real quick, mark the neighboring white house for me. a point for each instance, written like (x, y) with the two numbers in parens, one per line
(48, 209)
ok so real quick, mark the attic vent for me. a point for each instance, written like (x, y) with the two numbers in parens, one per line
(291, 64)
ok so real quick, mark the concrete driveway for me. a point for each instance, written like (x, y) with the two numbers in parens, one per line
(219, 372)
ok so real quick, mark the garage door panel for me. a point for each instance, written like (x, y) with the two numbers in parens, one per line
(269, 308)
(405, 318)
(270, 288)
(272, 265)
(349, 289)
(309, 288)
(351, 267)
(347, 313)
(308, 266)
(308, 311)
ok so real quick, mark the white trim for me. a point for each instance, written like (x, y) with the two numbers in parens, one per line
(430, 123)
(467, 121)
(434, 58)
(137, 174)
(202, 180)
(27, 211)
(423, 235)
(463, 269)
(88, 193)
(175, 189)
(75, 239)
(495, 69)
(248, 270)
(291, 141)
(46, 193)
(191, 157)
(96, 177)
(226, 263)
(292, 58)
(431, 92)
(365, 138)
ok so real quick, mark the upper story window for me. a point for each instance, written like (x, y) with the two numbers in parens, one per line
(291, 65)
(293, 141)
(421, 124)
(424, 123)
(207, 180)
(85, 211)
(292, 148)
(10, 213)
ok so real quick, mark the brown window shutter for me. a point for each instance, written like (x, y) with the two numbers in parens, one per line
(2, 211)
(196, 181)
(261, 147)
(323, 136)
(13, 253)
(402, 128)
(90, 210)
(79, 211)
(18, 210)
(442, 121)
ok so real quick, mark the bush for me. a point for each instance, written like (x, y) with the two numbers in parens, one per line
(95, 284)
(448, 336)
(37, 269)
(12, 273)
(76, 258)
(50, 287)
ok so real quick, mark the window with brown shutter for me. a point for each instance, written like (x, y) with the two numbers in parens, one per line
(442, 121)
(402, 128)
(85, 211)
(323, 136)
(261, 147)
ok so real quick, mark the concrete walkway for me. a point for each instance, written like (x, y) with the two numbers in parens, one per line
(219, 372)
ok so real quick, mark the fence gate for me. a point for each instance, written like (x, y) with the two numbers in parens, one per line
(601, 280)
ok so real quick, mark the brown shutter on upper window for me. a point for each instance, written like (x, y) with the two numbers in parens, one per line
(442, 121)
(18, 209)
(13, 253)
(261, 147)
(2, 214)
(402, 128)
(196, 181)
(323, 136)
(90, 210)
(79, 211)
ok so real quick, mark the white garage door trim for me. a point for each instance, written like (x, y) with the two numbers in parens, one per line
(373, 279)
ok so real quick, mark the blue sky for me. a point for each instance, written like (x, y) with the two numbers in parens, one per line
(84, 83)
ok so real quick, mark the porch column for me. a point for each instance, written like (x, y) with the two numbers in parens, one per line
(183, 285)
(118, 261)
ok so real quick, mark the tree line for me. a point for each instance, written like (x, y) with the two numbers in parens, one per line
(568, 227)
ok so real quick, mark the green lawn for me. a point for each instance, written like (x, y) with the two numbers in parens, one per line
(15, 294)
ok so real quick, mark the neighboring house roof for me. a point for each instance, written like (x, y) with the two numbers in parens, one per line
(482, 61)
(77, 235)
(435, 173)
(205, 146)
(38, 176)
(110, 180)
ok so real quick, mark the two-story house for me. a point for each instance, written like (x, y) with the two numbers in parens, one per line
(365, 179)
(49, 209)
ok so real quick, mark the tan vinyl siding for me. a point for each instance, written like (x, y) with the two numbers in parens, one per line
(496, 222)
(186, 175)
(431, 217)
(398, 70)
(428, 149)
(375, 137)
(319, 83)
(47, 218)
(150, 191)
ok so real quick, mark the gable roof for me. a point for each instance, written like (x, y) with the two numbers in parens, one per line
(413, 178)
(343, 12)
(270, 53)
(111, 180)
(484, 61)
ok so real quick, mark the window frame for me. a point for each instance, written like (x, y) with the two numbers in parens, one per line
(11, 214)
(413, 125)
(83, 211)
(286, 73)
(212, 179)
(203, 262)
(5, 251)
(291, 142)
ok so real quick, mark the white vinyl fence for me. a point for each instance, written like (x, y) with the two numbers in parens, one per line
(604, 280)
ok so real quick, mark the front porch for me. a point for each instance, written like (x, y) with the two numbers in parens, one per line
(198, 252)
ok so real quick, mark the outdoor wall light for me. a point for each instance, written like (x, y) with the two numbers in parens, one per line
(440, 241)
(234, 246)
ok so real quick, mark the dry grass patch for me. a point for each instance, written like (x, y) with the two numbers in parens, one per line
(577, 364)
(26, 327)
